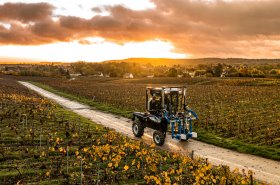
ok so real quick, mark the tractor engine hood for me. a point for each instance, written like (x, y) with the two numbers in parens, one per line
(154, 119)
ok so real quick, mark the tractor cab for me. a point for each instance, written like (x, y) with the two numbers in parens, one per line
(166, 111)
(170, 99)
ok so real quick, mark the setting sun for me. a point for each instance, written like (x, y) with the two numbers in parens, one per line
(92, 50)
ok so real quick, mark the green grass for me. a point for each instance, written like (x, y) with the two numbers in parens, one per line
(204, 136)
(233, 144)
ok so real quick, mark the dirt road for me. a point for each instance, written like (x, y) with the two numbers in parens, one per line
(264, 169)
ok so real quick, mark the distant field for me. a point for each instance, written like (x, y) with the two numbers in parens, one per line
(241, 109)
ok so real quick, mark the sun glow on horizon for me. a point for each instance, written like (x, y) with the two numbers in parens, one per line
(94, 50)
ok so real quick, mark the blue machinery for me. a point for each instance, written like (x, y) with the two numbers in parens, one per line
(182, 129)
(167, 111)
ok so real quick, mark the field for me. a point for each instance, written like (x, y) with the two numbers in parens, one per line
(241, 113)
(43, 144)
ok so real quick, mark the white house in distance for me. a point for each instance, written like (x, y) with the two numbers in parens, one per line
(192, 74)
(128, 75)
(98, 74)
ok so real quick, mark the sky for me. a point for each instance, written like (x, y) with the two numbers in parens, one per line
(98, 30)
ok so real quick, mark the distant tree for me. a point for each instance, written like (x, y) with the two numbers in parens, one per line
(187, 75)
(200, 72)
(256, 71)
(78, 67)
(232, 72)
(113, 74)
(201, 66)
(217, 70)
(243, 71)
(179, 71)
(209, 74)
(273, 72)
(88, 70)
(172, 72)
(159, 72)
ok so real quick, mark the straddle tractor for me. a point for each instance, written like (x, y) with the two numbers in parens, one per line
(166, 112)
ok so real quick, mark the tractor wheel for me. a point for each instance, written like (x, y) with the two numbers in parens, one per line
(158, 138)
(137, 129)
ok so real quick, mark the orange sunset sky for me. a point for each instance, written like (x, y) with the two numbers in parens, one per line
(71, 30)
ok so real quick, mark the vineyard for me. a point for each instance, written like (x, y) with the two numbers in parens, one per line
(42, 143)
(240, 110)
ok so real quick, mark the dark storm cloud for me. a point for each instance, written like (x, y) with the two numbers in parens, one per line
(217, 28)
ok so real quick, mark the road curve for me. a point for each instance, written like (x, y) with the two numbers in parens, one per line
(264, 169)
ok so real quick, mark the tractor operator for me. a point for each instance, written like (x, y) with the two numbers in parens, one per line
(154, 105)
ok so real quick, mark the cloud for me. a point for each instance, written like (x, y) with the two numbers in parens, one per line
(201, 28)
(21, 17)
(25, 12)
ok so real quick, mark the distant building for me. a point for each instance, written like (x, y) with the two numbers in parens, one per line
(192, 74)
(99, 74)
(128, 75)
(179, 76)
(223, 74)
(150, 76)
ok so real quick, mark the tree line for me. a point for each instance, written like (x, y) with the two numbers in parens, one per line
(118, 69)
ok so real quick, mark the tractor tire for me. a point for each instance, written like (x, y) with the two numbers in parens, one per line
(158, 137)
(137, 129)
